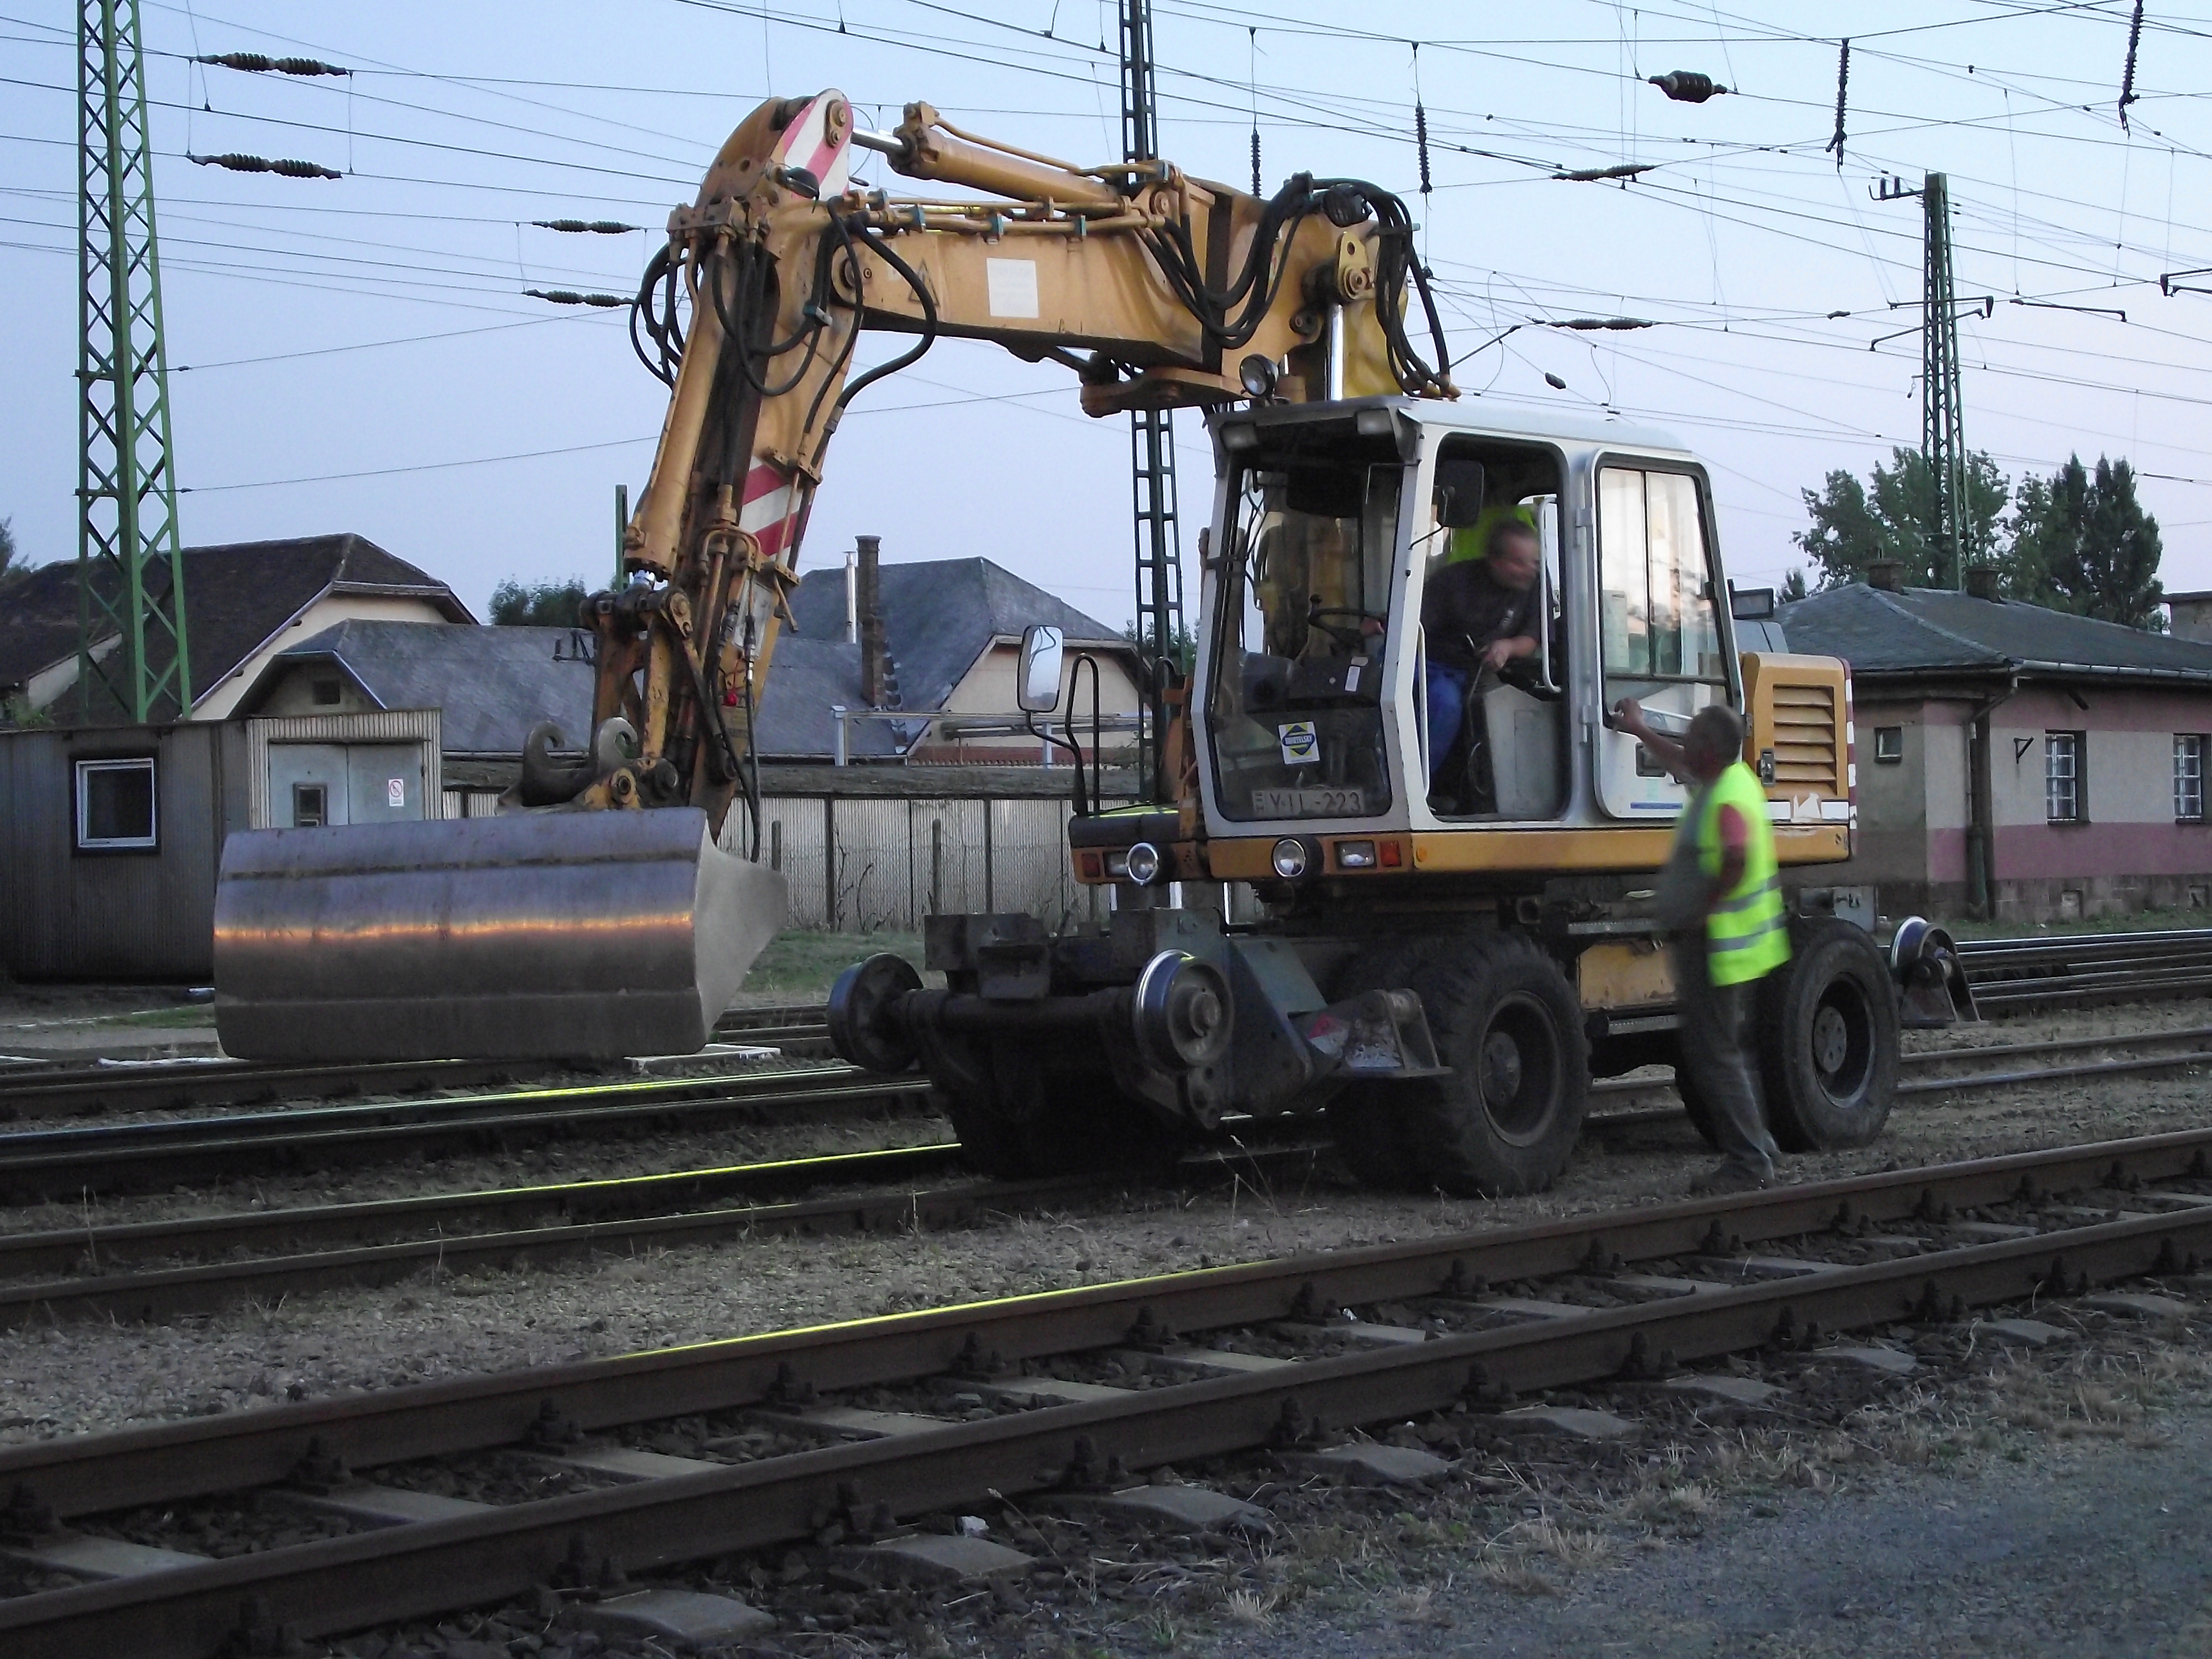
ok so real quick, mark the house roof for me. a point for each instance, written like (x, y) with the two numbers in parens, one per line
(939, 615)
(1922, 631)
(237, 597)
(492, 684)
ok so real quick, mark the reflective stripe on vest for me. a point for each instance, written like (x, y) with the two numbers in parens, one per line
(1748, 930)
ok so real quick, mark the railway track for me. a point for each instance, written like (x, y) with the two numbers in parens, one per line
(164, 1269)
(2008, 974)
(56, 1091)
(1075, 1392)
(2085, 971)
(138, 1156)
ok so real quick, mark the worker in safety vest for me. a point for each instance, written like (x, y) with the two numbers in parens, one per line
(1720, 898)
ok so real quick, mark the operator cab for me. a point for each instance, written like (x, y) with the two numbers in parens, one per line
(1357, 560)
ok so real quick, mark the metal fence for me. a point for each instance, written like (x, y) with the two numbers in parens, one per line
(857, 863)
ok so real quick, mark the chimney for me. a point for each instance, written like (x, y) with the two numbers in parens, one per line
(1887, 574)
(852, 599)
(875, 664)
(1982, 582)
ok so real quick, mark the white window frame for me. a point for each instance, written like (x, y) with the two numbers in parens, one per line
(1889, 756)
(2188, 777)
(87, 843)
(2074, 746)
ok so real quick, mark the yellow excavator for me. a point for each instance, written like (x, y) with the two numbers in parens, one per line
(1318, 911)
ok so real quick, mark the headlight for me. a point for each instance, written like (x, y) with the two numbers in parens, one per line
(1143, 864)
(1289, 858)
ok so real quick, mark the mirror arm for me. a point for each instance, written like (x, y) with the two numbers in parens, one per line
(1082, 796)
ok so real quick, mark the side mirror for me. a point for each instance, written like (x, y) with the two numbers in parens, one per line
(1042, 649)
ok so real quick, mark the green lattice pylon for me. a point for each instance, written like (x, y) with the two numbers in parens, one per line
(1942, 439)
(130, 575)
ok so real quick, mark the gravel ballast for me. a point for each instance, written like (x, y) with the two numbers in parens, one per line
(84, 1377)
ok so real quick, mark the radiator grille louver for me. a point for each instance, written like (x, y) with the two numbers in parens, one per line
(1806, 736)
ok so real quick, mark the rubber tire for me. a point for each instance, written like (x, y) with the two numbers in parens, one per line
(1693, 1102)
(1458, 1141)
(1833, 998)
(1367, 1121)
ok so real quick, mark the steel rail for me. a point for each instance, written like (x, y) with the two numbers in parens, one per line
(153, 1085)
(415, 1569)
(176, 1460)
(2137, 960)
(1612, 1091)
(90, 1266)
(121, 1157)
(168, 1293)
(2173, 940)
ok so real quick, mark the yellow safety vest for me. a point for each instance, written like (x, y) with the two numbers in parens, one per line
(1472, 541)
(1747, 932)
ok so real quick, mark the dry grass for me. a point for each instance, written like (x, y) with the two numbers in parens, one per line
(1255, 1609)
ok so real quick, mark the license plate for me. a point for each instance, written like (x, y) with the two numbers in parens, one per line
(1308, 803)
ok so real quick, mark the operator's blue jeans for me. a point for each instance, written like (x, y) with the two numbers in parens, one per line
(1446, 690)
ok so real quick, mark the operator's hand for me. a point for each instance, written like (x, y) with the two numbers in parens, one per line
(1628, 714)
(1497, 654)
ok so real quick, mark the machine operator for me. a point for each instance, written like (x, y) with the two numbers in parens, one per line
(1478, 614)
(1720, 898)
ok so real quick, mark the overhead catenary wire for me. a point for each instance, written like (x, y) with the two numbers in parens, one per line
(1749, 212)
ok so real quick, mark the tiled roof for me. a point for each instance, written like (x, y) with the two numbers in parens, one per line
(1922, 631)
(237, 596)
(492, 684)
(938, 617)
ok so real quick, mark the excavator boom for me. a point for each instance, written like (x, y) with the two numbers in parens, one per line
(614, 906)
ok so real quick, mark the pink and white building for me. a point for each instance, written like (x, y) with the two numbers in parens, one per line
(2016, 761)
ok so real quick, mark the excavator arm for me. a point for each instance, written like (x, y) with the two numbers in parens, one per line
(1169, 287)
(552, 931)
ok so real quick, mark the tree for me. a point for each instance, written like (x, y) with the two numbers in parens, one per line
(1854, 523)
(10, 572)
(2084, 544)
(1793, 584)
(1183, 645)
(539, 605)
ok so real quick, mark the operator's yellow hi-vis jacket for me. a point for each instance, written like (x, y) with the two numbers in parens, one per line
(1746, 932)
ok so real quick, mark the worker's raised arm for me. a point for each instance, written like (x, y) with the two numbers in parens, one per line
(1628, 714)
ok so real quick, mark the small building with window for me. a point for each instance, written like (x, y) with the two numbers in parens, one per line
(2016, 761)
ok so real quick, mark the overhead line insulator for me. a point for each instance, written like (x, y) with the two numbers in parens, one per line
(1687, 86)
(1592, 175)
(254, 63)
(262, 164)
(569, 297)
(586, 226)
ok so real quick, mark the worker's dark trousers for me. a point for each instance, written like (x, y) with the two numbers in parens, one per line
(1715, 1030)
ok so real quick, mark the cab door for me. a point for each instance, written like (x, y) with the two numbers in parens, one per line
(1662, 635)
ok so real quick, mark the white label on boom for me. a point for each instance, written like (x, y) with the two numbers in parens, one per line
(1014, 287)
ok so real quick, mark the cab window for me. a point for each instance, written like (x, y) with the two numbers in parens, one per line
(1297, 673)
(1657, 618)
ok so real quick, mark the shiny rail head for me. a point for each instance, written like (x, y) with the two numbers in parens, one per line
(537, 935)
